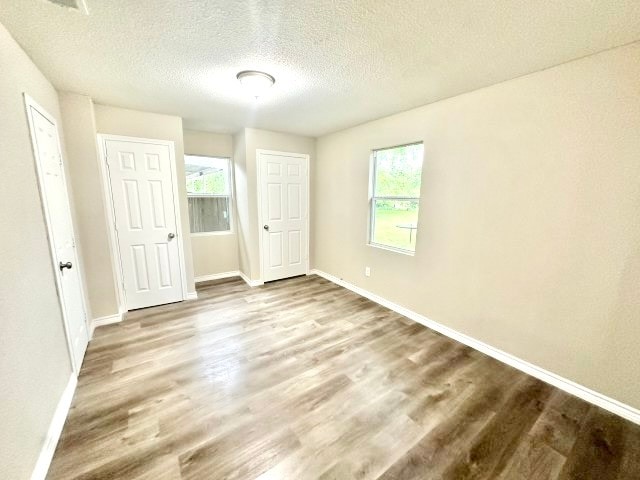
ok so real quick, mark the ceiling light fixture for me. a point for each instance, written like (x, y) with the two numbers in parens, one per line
(256, 83)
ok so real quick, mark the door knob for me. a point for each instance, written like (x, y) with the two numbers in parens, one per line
(266, 227)
(172, 235)
(65, 265)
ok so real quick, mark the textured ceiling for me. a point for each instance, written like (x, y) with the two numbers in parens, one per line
(337, 63)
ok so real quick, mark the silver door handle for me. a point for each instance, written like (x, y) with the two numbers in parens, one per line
(266, 227)
(172, 235)
(65, 265)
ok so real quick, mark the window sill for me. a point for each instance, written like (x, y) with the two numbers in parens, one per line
(392, 249)
(212, 234)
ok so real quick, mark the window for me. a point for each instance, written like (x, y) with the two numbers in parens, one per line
(209, 193)
(396, 177)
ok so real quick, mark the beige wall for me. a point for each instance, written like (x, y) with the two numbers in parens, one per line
(208, 143)
(216, 252)
(34, 361)
(267, 140)
(529, 235)
(84, 168)
(133, 123)
(241, 179)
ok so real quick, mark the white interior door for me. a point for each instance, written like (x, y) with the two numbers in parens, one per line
(57, 210)
(142, 179)
(284, 207)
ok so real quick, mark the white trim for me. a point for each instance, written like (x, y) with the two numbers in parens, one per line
(106, 320)
(82, 7)
(402, 251)
(279, 153)
(113, 239)
(31, 104)
(55, 429)
(216, 276)
(371, 224)
(192, 296)
(116, 267)
(248, 281)
(305, 157)
(212, 234)
(614, 406)
(231, 197)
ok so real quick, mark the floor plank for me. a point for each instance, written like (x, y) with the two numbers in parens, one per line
(303, 379)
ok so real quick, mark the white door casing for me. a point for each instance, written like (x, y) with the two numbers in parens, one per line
(143, 193)
(283, 205)
(57, 211)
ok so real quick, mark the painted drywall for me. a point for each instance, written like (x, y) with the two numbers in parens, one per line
(133, 123)
(246, 186)
(241, 180)
(529, 232)
(34, 361)
(208, 143)
(78, 120)
(213, 253)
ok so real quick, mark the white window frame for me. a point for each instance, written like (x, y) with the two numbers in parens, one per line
(373, 198)
(231, 196)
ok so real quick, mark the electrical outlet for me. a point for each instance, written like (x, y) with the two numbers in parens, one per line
(367, 271)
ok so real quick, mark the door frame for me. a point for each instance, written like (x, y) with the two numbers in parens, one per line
(259, 155)
(114, 246)
(30, 103)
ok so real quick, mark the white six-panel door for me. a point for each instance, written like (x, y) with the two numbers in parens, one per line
(284, 211)
(55, 201)
(141, 180)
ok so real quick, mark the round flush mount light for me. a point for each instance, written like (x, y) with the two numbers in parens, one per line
(254, 82)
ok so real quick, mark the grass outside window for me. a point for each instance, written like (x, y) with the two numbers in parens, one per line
(397, 175)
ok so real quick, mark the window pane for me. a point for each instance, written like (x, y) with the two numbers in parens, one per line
(209, 214)
(395, 223)
(207, 175)
(398, 171)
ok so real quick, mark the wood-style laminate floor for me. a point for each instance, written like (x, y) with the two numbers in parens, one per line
(302, 379)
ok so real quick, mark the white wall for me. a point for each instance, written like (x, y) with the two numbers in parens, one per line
(34, 360)
(529, 225)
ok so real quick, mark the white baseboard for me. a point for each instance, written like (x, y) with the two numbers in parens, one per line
(192, 296)
(217, 276)
(614, 406)
(235, 273)
(248, 281)
(55, 429)
(100, 321)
